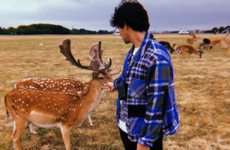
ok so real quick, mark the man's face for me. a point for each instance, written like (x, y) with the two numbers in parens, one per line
(124, 34)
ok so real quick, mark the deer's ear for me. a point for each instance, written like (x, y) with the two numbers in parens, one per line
(94, 75)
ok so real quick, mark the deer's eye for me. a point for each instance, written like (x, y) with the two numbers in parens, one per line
(101, 78)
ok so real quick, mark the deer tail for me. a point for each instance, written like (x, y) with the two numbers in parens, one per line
(7, 112)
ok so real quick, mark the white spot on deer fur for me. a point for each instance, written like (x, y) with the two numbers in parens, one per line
(79, 92)
(31, 87)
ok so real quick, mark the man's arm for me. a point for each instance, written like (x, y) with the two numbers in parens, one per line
(158, 78)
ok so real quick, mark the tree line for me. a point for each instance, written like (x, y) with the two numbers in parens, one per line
(47, 29)
(58, 29)
(220, 29)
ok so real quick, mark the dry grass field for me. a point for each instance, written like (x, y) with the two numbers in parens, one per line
(202, 92)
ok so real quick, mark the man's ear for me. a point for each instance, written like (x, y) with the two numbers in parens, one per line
(125, 27)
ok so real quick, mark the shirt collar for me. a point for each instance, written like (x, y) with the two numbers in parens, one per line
(144, 46)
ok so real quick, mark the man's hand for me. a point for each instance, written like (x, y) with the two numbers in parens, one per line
(142, 147)
(109, 86)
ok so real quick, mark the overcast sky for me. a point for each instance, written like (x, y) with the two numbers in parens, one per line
(95, 14)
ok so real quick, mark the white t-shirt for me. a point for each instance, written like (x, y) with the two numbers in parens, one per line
(121, 123)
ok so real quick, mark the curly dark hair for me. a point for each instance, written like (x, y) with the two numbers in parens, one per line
(133, 15)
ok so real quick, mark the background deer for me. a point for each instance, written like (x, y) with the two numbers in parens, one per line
(188, 49)
(192, 40)
(205, 44)
(168, 46)
(227, 42)
(57, 109)
(208, 44)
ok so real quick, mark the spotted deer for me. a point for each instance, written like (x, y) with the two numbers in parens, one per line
(188, 49)
(57, 109)
(68, 85)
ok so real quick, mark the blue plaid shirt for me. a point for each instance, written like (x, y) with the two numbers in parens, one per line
(150, 83)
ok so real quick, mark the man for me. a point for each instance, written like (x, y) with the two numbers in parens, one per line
(146, 106)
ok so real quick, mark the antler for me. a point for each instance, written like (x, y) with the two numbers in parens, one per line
(94, 56)
(96, 62)
(113, 72)
(66, 51)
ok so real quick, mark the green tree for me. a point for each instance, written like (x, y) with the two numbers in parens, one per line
(221, 29)
(215, 30)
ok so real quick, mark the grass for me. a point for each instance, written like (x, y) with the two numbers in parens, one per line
(202, 92)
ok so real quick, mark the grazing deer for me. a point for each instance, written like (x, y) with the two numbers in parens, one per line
(168, 46)
(57, 109)
(188, 49)
(192, 40)
(216, 43)
(208, 44)
(205, 44)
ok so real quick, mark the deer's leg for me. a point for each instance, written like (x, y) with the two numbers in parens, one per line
(19, 125)
(65, 130)
(90, 121)
(32, 129)
(178, 56)
(189, 56)
(182, 57)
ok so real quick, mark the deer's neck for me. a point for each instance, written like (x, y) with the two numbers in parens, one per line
(92, 99)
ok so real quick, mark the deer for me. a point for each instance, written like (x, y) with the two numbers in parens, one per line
(227, 42)
(188, 49)
(208, 44)
(192, 40)
(69, 85)
(216, 43)
(205, 44)
(57, 109)
(168, 46)
(226, 39)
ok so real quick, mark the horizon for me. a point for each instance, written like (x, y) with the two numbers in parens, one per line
(95, 14)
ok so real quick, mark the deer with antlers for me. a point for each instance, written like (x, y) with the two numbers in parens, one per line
(68, 85)
(64, 110)
(188, 49)
(192, 40)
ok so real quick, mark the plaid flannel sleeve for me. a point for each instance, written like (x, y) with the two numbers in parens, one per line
(158, 78)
